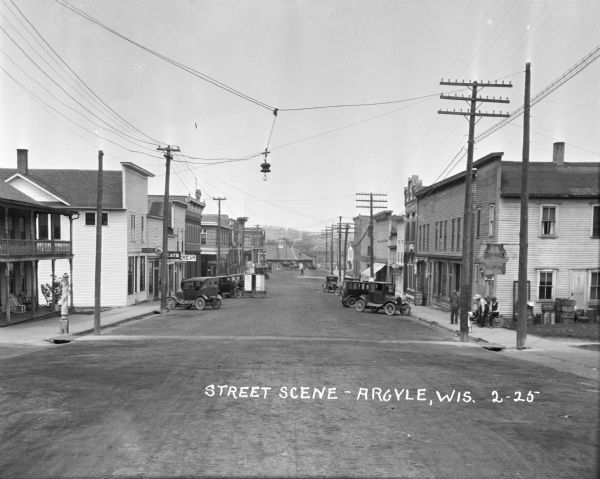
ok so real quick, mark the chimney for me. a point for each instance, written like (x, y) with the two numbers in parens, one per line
(558, 155)
(22, 161)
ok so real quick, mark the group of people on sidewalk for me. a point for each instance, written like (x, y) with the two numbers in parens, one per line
(485, 310)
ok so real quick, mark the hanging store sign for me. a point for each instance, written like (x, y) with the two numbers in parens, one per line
(174, 255)
(188, 257)
(494, 259)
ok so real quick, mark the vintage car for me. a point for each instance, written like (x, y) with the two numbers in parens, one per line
(199, 292)
(231, 286)
(377, 296)
(331, 285)
(352, 289)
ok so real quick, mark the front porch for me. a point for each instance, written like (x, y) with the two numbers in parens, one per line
(41, 312)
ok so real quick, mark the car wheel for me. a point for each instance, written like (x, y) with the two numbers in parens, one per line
(216, 303)
(171, 303)
(200, 303)
(344, 302)
(405, 309)
(337, 291)
(359, 305)
(351, 302)
(390, 309)
(237, 293)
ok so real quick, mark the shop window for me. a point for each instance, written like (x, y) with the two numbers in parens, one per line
(595, 286)
(130, 275)
(548, 221)
(546, 285)
(142, 273)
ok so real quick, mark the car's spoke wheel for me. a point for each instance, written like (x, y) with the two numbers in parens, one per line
(390, 309)
(351, 302)
(237, 293)
(359, 305)
(216, 303)
(200, 303)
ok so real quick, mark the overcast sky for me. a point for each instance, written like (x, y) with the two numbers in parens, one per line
(290, 55)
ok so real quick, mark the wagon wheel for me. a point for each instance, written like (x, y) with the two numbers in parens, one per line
(237, 293)
(171, 303)
(200, 303)
(359, 305)
(351, 302)
(216, 304)
(390, 309)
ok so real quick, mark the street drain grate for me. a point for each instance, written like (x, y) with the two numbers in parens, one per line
(493, 347)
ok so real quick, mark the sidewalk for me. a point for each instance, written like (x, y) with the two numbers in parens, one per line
(561, 354)
(41, 331)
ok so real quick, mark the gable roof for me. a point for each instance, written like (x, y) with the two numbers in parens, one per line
(548, 180)
(9, 194)
(77, 187)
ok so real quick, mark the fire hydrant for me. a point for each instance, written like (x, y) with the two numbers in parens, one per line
(64, 305)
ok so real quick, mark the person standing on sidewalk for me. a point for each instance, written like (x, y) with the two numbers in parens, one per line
(301, 268)
(494, 312)
(454, 306)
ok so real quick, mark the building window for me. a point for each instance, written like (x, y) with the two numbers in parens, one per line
(43, 226)
(492, 220)
(142, 228)
(546, 285)
(549, 221)
(445, 234)
(427, 237)
(90, 219)
(595, 286)
(478, 224)
(596, 222)
(132, 227)
(436, 236)
(458, 245)
(452, 236)
(202, 236)
(56, 226)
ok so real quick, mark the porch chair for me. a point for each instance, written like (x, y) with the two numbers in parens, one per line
(15, 305)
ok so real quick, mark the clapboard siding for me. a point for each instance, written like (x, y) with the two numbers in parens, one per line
(114, 262)
(572, 249)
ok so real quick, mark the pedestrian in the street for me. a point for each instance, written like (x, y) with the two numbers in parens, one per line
(477, 311)
(301, 268)
(454, 306)
(494, 311)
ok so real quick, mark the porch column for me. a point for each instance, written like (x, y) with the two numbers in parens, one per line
(52, 284)
(71, 281)
(6, 277)
(35, 286)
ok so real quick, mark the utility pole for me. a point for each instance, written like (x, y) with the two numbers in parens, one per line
(345, 257)
(326, 233)
(98, 272)
(379, 198)
(164, 268)
(524, 231)
(340, 249)
(466, 270)
(219, 199)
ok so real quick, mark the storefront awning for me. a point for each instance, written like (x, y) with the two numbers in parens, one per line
(367, 271)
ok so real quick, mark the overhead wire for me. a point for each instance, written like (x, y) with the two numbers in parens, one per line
(80, 82)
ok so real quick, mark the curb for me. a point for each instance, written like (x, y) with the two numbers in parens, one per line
(473, 339)
(73, 336)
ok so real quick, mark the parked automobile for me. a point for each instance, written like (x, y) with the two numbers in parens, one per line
(378, 296)
(199, 292)
(231, 286)
(352, 289)
(331, 285)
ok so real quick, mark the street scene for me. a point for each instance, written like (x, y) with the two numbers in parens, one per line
(291, 384)
(300, 239)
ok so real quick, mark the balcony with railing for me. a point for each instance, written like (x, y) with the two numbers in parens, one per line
(13, 248)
